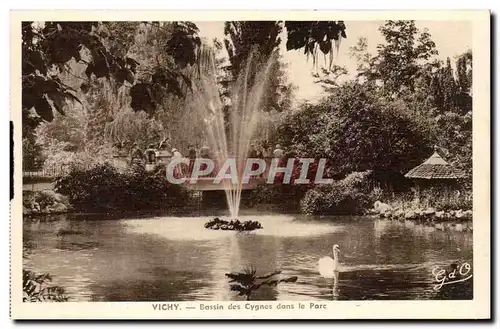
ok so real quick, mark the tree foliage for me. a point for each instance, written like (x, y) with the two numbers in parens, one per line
(398, 61)
(388, 118)
(155, 60)
(129, 128)
(48, 47)
(357, 131)
(242, 36)
(315, 35)
(329, 79)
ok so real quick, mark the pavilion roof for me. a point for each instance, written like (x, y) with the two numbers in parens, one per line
(435, 167)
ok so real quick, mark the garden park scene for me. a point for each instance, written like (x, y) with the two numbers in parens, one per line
(245, 160)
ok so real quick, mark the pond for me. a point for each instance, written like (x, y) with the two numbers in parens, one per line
(173, 258)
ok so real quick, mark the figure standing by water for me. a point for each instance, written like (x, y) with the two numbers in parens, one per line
(260, 155)
(163, 154)
(150, 155)
(252, 152)
(205, 151)
(192, 157)
(259, 151)
(136, 156)
(266, 150)
(178, 172)
(278, 152)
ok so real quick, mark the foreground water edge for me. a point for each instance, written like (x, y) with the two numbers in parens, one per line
(168, 258)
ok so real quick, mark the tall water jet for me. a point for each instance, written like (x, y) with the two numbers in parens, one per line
(229, 135)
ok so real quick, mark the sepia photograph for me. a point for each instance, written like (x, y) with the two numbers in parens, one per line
(220, 165)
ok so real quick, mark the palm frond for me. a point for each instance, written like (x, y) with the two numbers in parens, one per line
(267, 276)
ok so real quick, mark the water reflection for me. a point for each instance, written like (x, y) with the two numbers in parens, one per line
(176, 258)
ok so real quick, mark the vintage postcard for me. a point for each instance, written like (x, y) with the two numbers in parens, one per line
(250, 165)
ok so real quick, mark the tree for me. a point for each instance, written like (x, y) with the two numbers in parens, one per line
(256, 41)
(363, 58)
(47, 48)
(454, 138)
(32, 154)
(357, 131)
(398, 61)
(243, 36)
(128, 128)
(64, 132)
(430, 90)
(464, 72)
(453, 120)
(464, 82)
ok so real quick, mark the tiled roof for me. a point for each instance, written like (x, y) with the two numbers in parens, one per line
(435, 168)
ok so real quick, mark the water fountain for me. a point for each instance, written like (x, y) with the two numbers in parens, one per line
(229, 136)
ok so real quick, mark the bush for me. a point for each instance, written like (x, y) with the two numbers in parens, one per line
(454, 201)
(350, 196)
(103, 188)
(356, 130)
(278, 194)
(44, 202)
(439, 198)
(61, 161)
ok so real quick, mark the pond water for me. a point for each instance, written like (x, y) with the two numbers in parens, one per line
(176, 259)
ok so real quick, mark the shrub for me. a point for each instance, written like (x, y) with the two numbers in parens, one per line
(103, 188)
(356, 130)
(268, 193)
(32, 154)
(446, 199)
(279, 194)
(454, 201)
(61, 161)
(439, 198)
(44, 202)
(350, 196)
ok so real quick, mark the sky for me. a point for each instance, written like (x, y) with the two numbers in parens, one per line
(452, 38)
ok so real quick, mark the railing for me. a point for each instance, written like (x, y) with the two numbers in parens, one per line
(50, 172)
(54, 171)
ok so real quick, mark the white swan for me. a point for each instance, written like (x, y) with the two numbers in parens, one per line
(328, 267)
